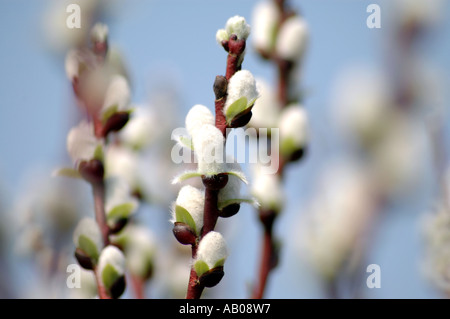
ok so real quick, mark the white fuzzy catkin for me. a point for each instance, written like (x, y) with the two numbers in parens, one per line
(193, 200)
(197, 116)
(241, 84)
(72, 64)
(212, 248)
(99, 32)
(117, 94)
(89, 228)
(81, 142)
(293, 124)
(123, 163)
(113, 256)
(292, 39)
(238, 26)
(232, 189)
(141, 129)
(264, 23)
(267, 189)
(139, 250)
(222, 35)
(339, 217)
(266, 111)
(118, 192)
(209, 147)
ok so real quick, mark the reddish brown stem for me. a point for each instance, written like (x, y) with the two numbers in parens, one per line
(195, 289)
(138, 286)
(99, 205)
(269, 257)
(101, 290)
(221, 121)
(211, 212)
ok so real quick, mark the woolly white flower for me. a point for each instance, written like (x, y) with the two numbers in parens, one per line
(99, 32)
(266, 110)
(242, 94)
(139, 248)
(235, 25)
(362, 104)
(117, 96)
(292, 39)
(197, 116)
(231, 193)
(222, 35)
(211, 253)
(82, 144)
(193, 201)
(88, 238)
(119, 203)
(238, 26)
(339, 217)
(111, 266)
(208, 144)
(267, 189)
(72, 64)
(293, 124)
(141, 129)
(123, 163)
(265, 20)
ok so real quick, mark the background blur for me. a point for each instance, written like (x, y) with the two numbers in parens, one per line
(172, 57)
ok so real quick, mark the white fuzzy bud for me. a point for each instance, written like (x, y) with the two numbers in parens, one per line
(292, 39)
(232, 189)
(212, 249)
(123, 163)
(88, 228)
(72, 64)
(238, 26)
(293, 124)
(267, 189)
(141, 129)
(208, 144)
(266, 111)
(99, 32)
(117, 94)
(118, 194)
(222, 35)
(139, 250)
(197, 116)
(241, 84)
(193, 200)
(112, 256)
(82, 143)
(264, 23)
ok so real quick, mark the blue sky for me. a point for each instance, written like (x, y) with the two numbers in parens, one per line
(174, 41)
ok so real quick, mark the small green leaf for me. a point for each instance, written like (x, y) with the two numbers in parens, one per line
(235, 108)
(109, 276)
(288, 146)
(98, 153)
(88, 247)
(67, 172)
(200, 267)
(109, 112)
(120, 211)
(186, 142)
(251, 201)
(252, 102)
(219, 263)
(239, 175)
(184, 176)
(183, 216)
